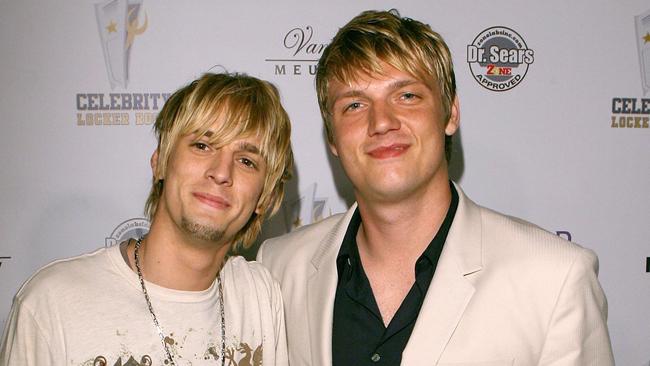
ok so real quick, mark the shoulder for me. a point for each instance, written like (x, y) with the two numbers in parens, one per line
(249, 276)
(302, 241)
(63, 272)
(56, 279)
(508, 239)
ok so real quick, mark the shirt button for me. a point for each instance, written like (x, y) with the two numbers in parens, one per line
(375, 358)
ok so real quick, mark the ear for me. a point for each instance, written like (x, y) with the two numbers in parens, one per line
(154, 165)
(258, 207)
(333, 149)
(454, 118)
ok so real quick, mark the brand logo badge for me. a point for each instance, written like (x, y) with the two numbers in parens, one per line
(129, 229)
(499, 58)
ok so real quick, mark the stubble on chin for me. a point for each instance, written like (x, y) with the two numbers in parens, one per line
(200, 231)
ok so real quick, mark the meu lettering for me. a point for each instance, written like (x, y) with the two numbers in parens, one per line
(299, 42)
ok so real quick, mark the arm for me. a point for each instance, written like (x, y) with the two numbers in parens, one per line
(577, 334)
(260, 253)
(281, 352)
(23, 342)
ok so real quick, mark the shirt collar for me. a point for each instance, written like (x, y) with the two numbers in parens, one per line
(350, 252)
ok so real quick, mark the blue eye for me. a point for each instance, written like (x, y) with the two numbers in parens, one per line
(353, 106)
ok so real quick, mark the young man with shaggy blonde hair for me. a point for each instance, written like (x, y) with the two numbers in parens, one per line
(174, 297)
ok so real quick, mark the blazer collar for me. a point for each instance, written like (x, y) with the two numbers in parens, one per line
(446, 300)
(450, 290)
(321, 290)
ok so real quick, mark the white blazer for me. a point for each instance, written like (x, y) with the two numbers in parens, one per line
(505, 292)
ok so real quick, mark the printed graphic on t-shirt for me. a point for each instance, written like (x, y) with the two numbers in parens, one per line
(240, 355)
(144, 361)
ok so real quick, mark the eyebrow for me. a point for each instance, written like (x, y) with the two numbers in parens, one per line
(359, 93)
(247, 146)
(402, 83)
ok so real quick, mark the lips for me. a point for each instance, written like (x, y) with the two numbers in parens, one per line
(211, 200)
(390, 151)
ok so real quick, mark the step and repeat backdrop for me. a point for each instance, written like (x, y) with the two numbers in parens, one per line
(554, 130)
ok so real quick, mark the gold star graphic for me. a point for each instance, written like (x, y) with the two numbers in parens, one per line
(646, 38)
(112, 27)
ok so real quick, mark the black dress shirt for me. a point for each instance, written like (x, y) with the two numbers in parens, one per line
(359, 336)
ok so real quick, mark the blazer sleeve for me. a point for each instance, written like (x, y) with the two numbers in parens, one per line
(577, 333)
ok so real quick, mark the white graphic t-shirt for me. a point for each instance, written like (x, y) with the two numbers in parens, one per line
(90, 311)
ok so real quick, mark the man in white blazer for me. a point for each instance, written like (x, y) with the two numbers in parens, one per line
(415, 273)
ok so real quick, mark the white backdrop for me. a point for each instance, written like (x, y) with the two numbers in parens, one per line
(546, 150)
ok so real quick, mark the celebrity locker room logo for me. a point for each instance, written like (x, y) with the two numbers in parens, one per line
(119, 23)
(632, 112)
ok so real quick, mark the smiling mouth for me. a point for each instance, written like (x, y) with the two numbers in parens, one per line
(211, 200)
(391, 151)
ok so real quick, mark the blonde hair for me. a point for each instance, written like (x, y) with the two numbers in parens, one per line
(239, 105)
(406, 44)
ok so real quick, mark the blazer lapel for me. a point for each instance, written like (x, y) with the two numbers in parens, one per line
(321, 290)
(450, 291)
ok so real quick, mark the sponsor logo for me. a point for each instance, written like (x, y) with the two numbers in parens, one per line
(3, 259)
(118, 109)
(119, 23)
(305, 209)
(301, 53)
(631, 112)
(499, 58)
(129, 229)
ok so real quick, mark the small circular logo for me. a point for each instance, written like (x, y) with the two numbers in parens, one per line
(129, 229)
(499, 58)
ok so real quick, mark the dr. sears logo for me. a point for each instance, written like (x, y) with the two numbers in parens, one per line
(302, 51)
(499, 58)
(118, 24)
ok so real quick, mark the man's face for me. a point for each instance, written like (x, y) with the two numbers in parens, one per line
(389, 132)
(210, 193)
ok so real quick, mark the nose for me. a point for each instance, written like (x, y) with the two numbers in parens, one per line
(382, 119)
(221, 167)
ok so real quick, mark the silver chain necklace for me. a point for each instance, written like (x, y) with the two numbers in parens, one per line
(138, 243)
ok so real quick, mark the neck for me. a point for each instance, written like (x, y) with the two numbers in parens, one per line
(401, 230)
(172, 261)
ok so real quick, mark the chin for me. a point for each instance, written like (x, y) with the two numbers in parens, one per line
(202, 231)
